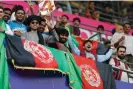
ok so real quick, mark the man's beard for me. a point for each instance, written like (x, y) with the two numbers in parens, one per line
(62, 40)
(121, 57)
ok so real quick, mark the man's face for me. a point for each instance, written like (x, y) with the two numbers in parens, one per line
(63, 38)
(7, 15)
(121, 53)
(88, 46)
(34, 25)
(107, 9)
(42, 26)
(100, 30)
(64, 19)
(127, 28)
(76, 23)
(20, 15)
(1, 13)
(92, 5)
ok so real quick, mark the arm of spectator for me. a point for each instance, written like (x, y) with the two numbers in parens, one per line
(18, 33)
(102, 58)
(118, 42)
(31, 8)
(55, 34)
(73, 46)
(58, 21)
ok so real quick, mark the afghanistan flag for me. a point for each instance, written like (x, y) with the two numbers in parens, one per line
(82, 72)
(4, 78)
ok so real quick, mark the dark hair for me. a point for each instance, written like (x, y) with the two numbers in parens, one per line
(66, 16)
(31, 18)
(77, 19)
(100, 26)
(1, 7)
(86, 41)
(62, 31)
(126, 23)
(7, 9)
(17, 7)
(120, 47)
(43, 20)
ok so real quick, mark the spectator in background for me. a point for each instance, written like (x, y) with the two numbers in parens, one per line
(96, 15)
(7, 14)
(17, 26)
(87, 45)
(99, 35)
(3, 26)
(89, 9)
(124, 39)
(76, 29)
(33, 23)
(119, 29)
(49, 35)
(118, 61)
(106, 15)
(61, 22)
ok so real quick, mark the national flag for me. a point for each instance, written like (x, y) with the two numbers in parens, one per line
(46, 6)
(24, 55)
(89, 73)
(4, 78)
(30, 55)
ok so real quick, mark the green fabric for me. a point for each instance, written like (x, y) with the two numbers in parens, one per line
(67, 64)
(75, 41)
(69, 28)
(3, 24)
(4, 78)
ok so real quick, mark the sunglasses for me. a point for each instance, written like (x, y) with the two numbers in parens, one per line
(34, 22)
(1, 11)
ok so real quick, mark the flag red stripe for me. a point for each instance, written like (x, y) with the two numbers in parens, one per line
(89, 75)
(40, 62)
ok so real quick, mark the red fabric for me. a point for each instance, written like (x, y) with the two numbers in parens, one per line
(89, 73)
(41, 61)
(80, 42)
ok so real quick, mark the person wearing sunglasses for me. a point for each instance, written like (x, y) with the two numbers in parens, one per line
(32, 33)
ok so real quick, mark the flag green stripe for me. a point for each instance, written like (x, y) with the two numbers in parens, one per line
(4, 78)
(60, 59)
(67, 64)
(69, 28)
(75, 72)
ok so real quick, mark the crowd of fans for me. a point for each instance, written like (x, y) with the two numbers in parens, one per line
(106, 11)
(39, 29)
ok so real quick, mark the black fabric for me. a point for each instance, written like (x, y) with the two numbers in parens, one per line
(41, 40)
(17, 52)
(106, 74)
(53, 45)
